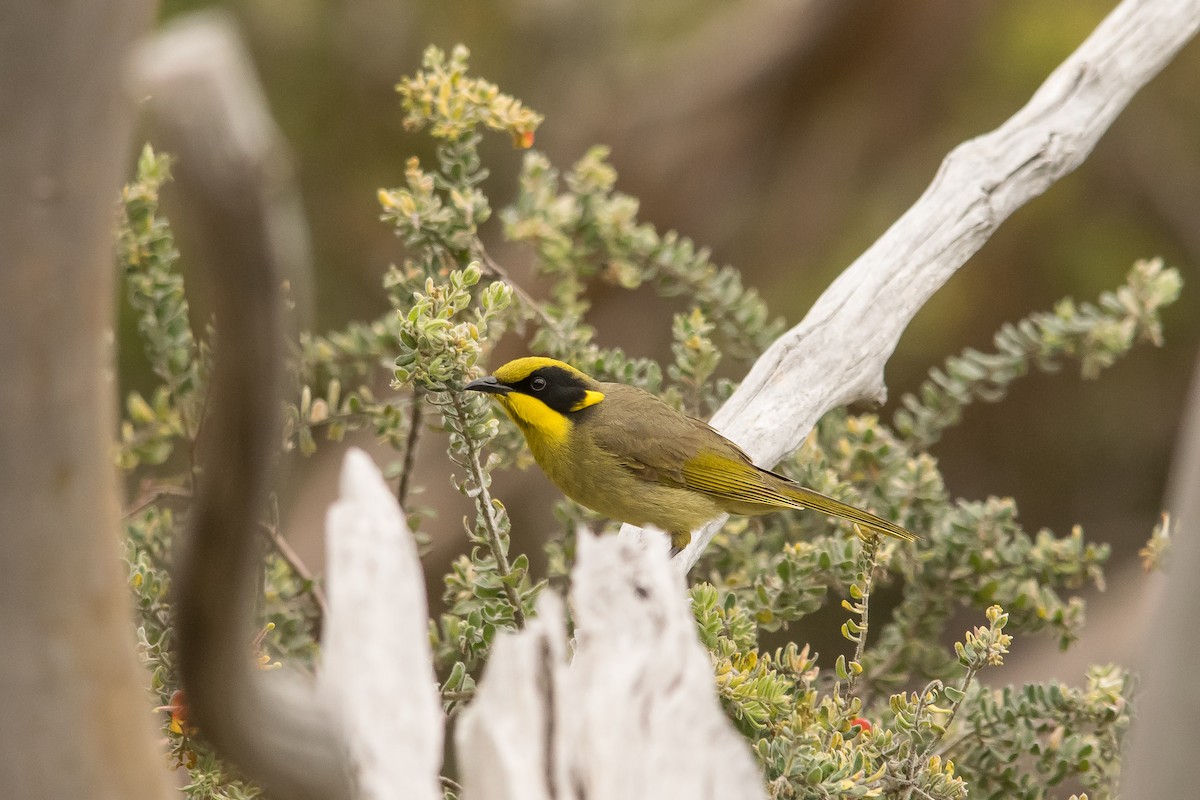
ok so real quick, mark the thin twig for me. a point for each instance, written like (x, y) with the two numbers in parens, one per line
(966, 684)
(153, 495)
(339, 416)
(286, 552)
(949, 747)
(410, 445)
(494, 270)
(484, 501)
(297, 565)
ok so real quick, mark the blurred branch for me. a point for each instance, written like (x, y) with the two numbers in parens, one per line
(415, 421)
(836, 355)
(1161, 741)
(243, 216)
(70, 685)
(151, 495)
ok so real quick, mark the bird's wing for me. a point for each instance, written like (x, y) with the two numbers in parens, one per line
(664, 446)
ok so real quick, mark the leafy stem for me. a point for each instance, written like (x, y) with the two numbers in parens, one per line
(492, 538)
(916, 756)
(982, 647)
(859, 603)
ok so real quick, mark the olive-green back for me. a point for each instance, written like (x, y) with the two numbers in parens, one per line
(658, 444)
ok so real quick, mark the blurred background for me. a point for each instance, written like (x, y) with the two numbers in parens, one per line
(786, 136)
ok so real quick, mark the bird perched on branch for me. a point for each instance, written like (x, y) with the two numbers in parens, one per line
(628, 455)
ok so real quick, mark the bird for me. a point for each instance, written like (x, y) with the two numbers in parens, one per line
(629, 456)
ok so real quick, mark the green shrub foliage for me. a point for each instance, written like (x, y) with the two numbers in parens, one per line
(903, 715)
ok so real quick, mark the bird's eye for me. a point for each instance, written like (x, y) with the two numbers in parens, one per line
(537, 384)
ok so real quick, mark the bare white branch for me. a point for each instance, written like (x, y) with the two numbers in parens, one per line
(509, 740)
(836, 355)
(377, 669)
(633, 714)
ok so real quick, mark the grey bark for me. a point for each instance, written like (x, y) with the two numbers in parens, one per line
(74, 719)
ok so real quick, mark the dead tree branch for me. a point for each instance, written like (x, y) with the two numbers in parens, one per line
(377, 665)
(545, 726)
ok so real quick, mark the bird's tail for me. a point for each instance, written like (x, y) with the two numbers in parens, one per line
(807, 498)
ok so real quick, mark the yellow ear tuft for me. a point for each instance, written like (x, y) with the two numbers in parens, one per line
(590, 398)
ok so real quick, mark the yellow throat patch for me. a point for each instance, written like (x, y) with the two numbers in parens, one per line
(532, 414)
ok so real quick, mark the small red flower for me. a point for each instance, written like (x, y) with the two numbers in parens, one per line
(862, 723)
(179, 713)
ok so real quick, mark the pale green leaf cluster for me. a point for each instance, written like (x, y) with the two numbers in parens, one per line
(1095, 335)
(1019, 741)
(1156, 553)
(453, 104)
(286, 635)
(146, 255)
(581, 228)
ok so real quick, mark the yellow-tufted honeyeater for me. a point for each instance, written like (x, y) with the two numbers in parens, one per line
(628, 455)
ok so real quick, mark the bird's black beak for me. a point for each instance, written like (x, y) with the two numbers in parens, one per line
(489, 385)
